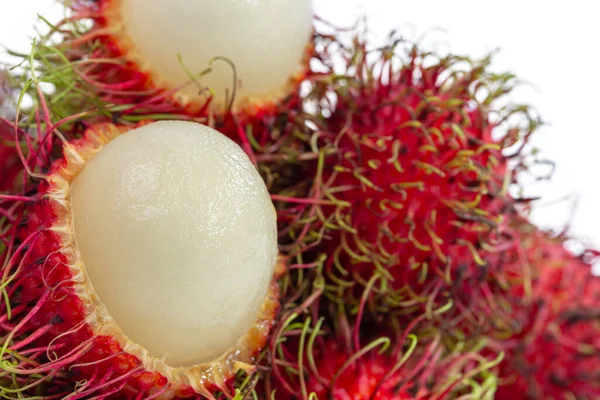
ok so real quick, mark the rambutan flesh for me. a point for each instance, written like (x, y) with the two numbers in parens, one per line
(145, 264)
(237, 54)
(552, 350)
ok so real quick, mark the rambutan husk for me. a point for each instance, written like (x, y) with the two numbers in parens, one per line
(402, 191)
(59, 338)
(320, 360)
(552, 346)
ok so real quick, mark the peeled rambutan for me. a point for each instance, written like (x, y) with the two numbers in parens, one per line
(552, 349)
(143, 266)
(202, 55)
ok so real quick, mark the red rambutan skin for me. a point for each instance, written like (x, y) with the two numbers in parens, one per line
(414, 194)
(412, 190)
(331, 369)
(554, 352)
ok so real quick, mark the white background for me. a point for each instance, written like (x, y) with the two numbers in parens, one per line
(552, 45)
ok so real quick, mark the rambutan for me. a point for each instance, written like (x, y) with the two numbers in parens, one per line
(408, 184)
(144, 265)
(202, 55)
(552, 349)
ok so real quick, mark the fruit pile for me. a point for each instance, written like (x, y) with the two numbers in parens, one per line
(236, 200)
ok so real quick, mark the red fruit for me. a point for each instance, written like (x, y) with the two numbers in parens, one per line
(554, 351)
(412, 195)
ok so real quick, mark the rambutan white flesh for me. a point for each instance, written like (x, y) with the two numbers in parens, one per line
(173, 40)
(177, 234)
